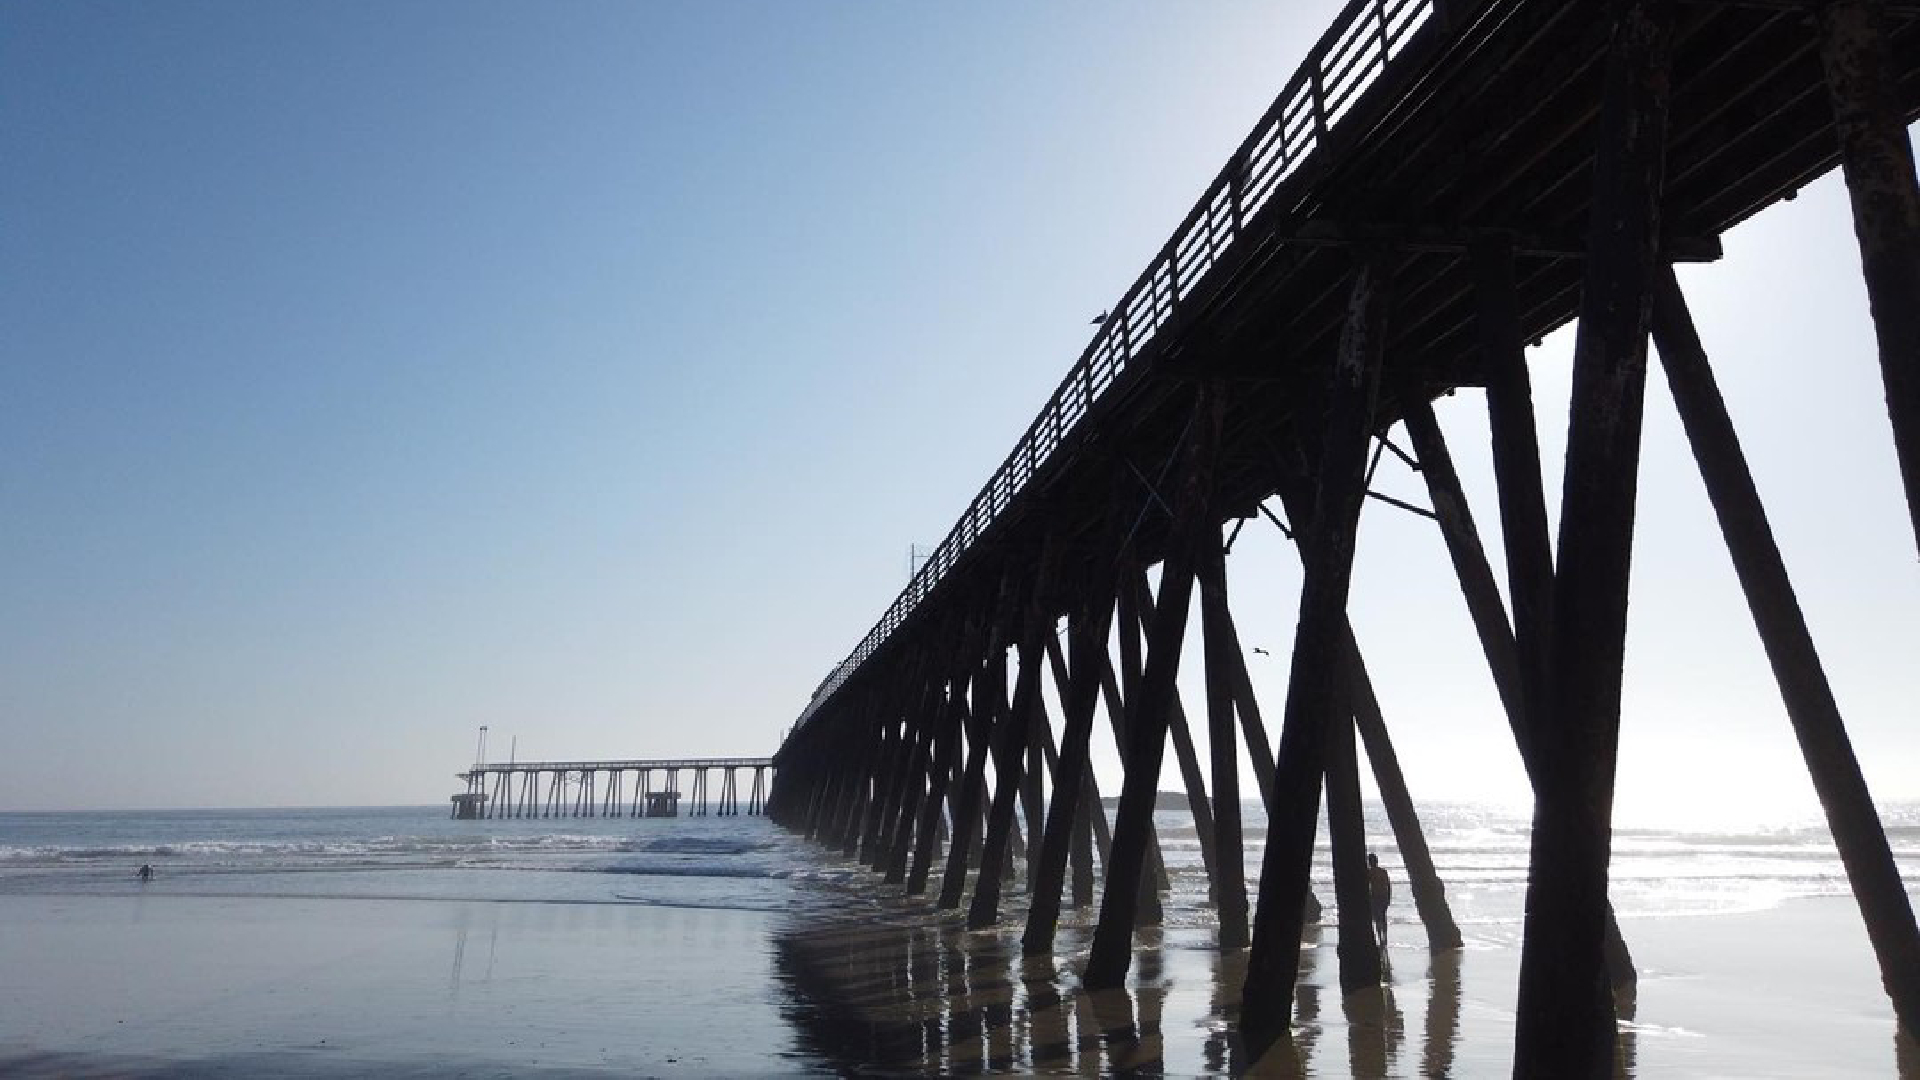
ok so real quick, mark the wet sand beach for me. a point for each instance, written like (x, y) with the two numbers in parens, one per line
(192, 986)
(249, 986)
(1788, 992)
(390, 943)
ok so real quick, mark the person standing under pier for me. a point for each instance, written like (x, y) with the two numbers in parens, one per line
(1380, 889)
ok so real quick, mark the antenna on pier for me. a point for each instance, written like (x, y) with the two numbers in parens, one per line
(916, 558)
(480, 752)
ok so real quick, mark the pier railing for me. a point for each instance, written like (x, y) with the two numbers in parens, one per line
(1361, 45)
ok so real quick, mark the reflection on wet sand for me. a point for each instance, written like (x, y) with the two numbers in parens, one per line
(1443, 1014)
(1051, 1034)
(1119, 1037)
(1150, 997)
(899, 988)
(1222, 1051)
(1374, 1030)
(1626, 1048)
(907, 991)
(1292, 1058)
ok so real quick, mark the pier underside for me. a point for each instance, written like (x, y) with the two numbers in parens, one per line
(1440, 185)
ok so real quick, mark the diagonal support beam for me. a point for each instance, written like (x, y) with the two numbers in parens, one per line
(1523, 509)
(1013, 740)
(1489, 615)
(1817, 724)
(1149, 711)
(987, 686)
(1087, 631)
(946, 754)
(1191, 776)
(1223, 664)
(1090, 833)
(1316, 694)
(1423, 880)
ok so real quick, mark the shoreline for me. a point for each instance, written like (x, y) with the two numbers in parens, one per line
(842, 977)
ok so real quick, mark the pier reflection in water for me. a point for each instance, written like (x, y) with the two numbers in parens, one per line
(901, 991)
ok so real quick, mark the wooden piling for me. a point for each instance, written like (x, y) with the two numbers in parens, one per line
(848, 777)
(1517, 480)
(1423, 880)
(1155, 881)
(1087, 631)
(1090, 835)
(1192, 778)
(914, 793)
(1478, 586)
(1490, 618)
(1357, 950)
(861, 773)
(907, 698)
(1015, 739)
(1877, 160)
(986, 688)
(827, 803)
(1033, 804)
(920, 693)
(946, 754)
(1097, 823)
(1148, 713)
(1252, 726)
(1221, 652)
(1565, 1025)
(1081, 881)
(1316, 695)
(1523, 523)
(1817, 723)
(1118, 693)
(890, 750)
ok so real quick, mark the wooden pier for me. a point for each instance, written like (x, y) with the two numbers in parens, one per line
(1442, 182)
(530, 789)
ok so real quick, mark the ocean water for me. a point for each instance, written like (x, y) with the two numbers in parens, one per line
(745, 862)
(1481, 854)
(742, 862)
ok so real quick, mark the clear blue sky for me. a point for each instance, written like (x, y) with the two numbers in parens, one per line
(374, 371)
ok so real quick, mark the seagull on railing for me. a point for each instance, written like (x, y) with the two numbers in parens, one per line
(1100, 318)
(1261, 651)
